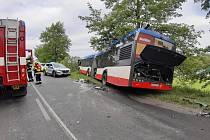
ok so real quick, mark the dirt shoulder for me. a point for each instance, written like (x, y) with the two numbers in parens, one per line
(165, 105)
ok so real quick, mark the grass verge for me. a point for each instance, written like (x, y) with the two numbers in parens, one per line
(193, 96)
(76, 76)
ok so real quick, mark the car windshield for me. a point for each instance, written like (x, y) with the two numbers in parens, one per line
(57, 65)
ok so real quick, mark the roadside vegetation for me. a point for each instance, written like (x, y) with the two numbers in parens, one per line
(55, 44)
(190, 95)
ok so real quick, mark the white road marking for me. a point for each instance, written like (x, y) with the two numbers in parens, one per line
(44, 112)
(58, 120)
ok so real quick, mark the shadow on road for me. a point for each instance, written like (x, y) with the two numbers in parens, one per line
(7, 95)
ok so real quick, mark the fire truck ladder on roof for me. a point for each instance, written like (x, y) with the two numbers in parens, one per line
(12, 41)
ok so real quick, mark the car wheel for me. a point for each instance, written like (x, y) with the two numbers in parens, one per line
(54, 74)
(45, 73)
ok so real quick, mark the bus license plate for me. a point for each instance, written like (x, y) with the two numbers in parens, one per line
(155, 85)
(16, 87)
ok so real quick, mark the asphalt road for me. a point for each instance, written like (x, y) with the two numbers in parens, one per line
(61, 109)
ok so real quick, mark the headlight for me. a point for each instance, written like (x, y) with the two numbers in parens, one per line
(58, 71)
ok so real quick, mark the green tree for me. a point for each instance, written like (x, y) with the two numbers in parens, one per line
(205, 5)
(71, 62)
(194, 68)
(184, 35)
(127, 15)
(55, 44)
(42, 54)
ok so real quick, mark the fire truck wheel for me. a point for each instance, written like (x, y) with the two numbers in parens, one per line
(104, 79)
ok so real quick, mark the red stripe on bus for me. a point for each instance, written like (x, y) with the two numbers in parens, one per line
(98, 76)
(114, 80)
(149, 85)
(83, 71)
(117, 81)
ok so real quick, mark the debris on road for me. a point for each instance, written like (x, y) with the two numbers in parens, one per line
(108, 116)
(201, 104)
(204, 114)
(82, 81)
(191, 101)
(78, 122)
(100, 88)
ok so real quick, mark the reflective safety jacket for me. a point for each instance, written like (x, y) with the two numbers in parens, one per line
(37, 69)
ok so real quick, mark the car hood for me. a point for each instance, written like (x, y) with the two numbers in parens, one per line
(62, 69)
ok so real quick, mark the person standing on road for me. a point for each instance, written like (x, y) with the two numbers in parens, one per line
(37, 72)
(29, 70)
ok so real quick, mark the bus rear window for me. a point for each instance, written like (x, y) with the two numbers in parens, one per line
(164, 44)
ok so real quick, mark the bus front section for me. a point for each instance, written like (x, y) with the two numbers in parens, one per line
(154, 60)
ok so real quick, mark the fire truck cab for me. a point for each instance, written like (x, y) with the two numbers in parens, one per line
(13, 77)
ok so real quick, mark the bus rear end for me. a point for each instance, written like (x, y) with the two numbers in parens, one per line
(154, 60)
(12, 57)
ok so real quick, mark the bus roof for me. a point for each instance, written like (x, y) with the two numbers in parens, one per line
(145, 31)
(89, 56)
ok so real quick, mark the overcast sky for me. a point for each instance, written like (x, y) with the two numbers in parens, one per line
(38, 14)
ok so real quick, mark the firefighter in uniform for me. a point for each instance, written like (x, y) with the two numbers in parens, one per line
(37, 72)
(29, 70)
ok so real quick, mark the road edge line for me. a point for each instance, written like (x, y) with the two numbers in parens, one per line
(59, 121)
(44, 112)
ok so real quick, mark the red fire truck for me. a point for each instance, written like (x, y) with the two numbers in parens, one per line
(13, 75)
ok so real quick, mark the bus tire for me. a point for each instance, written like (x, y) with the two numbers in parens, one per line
(104, 78)
(88, 72)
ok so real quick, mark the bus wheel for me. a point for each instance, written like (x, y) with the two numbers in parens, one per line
(104, 79)
(88, 73)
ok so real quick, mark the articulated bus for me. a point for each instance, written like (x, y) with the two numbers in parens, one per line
(141, 59)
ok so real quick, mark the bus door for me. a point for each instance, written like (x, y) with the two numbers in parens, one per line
(94, 68)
